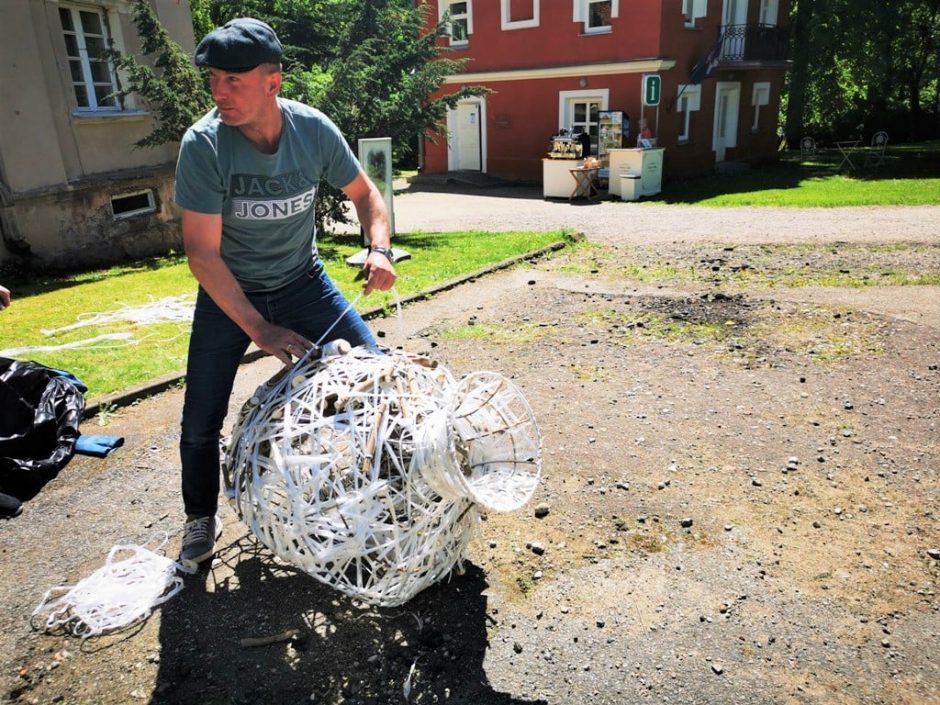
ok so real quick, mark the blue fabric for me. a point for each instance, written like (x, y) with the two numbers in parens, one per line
(308, 305)
(79, 385)
(98, 446)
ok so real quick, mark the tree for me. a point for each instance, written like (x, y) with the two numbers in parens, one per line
(864, 65)
(370, 65)
(378, 80)
(171, 85)
(801, 19)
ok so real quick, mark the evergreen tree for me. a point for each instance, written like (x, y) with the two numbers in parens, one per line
(378, 79)
(171, 86)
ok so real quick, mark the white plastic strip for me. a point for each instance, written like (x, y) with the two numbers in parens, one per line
(121, 593)
(368, 470)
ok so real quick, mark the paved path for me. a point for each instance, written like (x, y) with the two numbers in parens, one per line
(611, 222)
(616, 222)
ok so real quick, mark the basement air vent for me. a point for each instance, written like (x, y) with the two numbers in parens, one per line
(127, 205)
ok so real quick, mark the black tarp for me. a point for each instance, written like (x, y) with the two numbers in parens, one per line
(40, 411)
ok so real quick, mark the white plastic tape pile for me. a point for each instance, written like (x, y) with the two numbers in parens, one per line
(121, 593)
(368, 470)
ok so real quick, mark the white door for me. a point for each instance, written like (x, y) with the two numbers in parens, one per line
(734, 12)
(733, 24)
(727, 105)
(468, 137)
(768, 12)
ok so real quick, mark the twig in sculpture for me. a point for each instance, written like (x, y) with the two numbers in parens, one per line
(287, 635)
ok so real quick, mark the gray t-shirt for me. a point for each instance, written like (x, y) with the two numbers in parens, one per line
(266, 200)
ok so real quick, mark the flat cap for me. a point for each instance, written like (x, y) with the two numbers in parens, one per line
(239, 45)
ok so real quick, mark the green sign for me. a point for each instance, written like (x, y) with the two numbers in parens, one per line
(652, 89)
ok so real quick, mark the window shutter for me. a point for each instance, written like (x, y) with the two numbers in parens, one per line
(615, 8)
(761, 94)
(699, 8)
(692, 94)
(580, 10)
(469, 17)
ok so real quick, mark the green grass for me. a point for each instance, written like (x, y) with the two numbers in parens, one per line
(436, 258)
(156, 350)
(519, 334)
(910, 176)
(634, 328)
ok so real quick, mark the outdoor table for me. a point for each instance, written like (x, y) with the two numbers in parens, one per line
(585, 182)
(844, 147)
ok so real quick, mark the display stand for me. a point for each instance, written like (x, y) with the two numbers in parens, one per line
(556, 177)
(648, 163)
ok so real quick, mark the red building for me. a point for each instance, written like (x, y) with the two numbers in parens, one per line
(558, 64)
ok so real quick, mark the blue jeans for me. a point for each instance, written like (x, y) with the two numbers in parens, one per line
(308, 305)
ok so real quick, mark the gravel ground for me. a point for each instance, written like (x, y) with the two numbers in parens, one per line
(739, 500)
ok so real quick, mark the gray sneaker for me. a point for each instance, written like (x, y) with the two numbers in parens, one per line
(199, 537)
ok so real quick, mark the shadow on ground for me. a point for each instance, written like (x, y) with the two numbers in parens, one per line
(473, 182)
(340, 653)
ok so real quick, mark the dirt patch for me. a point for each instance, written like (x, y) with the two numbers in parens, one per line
(739, 504)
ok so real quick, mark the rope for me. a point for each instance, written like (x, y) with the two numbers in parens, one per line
(333, 324)
(14, 352)
(168, 309)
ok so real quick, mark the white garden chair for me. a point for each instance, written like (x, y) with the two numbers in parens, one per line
(807, 147)
(876, 152)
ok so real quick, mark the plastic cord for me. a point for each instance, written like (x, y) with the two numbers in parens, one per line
(119, 594)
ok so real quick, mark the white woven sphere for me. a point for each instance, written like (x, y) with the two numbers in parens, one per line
(368, 470)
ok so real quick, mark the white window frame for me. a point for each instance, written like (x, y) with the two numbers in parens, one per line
(769, 9)
(506, 21)
(760, 96)
(87, 80)
(567, 100)
(692, 10)
(582, 14)
(689, 100)
(151, 206)
(443, 7)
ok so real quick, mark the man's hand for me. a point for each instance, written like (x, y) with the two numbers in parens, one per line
(378, 273)
(282, 343)
(202, 237)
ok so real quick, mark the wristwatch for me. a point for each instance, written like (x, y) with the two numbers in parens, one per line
(387, 251)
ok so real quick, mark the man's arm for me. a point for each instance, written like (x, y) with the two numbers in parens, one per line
(4, 297)
(202, 239)
(373, 216)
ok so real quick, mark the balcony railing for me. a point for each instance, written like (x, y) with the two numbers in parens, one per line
(754, 42)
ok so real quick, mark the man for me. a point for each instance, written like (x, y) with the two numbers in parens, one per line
(584, 139)
(246, 180)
